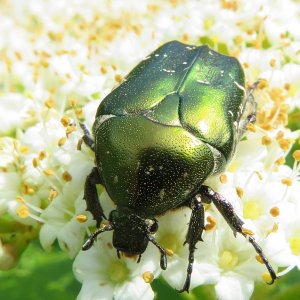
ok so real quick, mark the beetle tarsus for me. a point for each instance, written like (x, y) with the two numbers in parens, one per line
(263, 257)
(139, 259)
(163, 255)
(91, 196)
(227, 211)
(92, 238)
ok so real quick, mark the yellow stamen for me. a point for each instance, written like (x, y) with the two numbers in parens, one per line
(70, 129)
(231, 5)
(56, 36)
(53, 194)
(266, 140)
(274, 211)
(263, 83)
(18, 55)
(73, 102)
(238, 39)
(20, 199)
(65, 120)
(81, 218)
(259, 259)
(48, 172)
(66, 176)
(260, 177)
(118, 77)
(103, 70)
(240, 192)
(246, 65)
(287, 181)
(251, 127)
(79, 113)
(223, 178)
(23, 211)
(287, 86)
(273, 63)
(35, 162)
(62, 141)
(79, 144)
(28, 190)
(42, 155)
(169, 252)
(281, 160)
(148, 277)
(211, 223)
(24, 149)
(266, 277)
(285, 144)
(50, 103)
(273, 229)
(279, 135)
(247, 231)
(296, 155)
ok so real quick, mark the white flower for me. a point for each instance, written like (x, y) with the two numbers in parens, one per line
(60, 221)
(60, 58)
(14, 112)
(104, 276)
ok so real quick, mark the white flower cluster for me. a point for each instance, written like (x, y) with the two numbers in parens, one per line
(58, 59)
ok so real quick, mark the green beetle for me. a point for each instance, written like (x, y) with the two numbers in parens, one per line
(174, 121)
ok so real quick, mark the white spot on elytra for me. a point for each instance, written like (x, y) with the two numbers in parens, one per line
(239, 86)
(203, 81)
(161, 193)
(169, 71)
(116, 179)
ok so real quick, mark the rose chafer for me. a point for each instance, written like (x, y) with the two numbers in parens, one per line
(172, 123)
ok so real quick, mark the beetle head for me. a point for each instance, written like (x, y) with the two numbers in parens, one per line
(131, 231)
(131, 234)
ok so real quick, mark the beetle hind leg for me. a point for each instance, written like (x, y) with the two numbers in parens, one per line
(194, 234)
(236, 224)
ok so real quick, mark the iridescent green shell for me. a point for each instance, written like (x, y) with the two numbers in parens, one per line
(168, 126)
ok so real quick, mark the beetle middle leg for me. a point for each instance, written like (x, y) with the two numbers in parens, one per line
(236, 224)
(194, 234)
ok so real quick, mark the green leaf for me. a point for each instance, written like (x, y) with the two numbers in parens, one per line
(285, 288)
(40, 275)
(164, 291)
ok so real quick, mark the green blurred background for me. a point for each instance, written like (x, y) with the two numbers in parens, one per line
(46, 276)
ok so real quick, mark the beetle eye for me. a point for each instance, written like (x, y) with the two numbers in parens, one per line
(153, 226)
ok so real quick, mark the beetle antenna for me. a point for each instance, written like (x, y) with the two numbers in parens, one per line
(90, 241)
(163, 255)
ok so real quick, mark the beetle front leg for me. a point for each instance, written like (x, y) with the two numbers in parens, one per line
(91, 196)
(87, 138)
(236, 224)
(194, 234)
